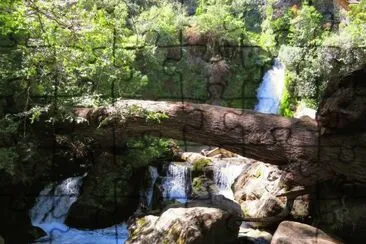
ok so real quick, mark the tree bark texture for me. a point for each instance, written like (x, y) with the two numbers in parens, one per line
(295, 144)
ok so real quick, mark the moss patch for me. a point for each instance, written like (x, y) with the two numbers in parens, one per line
(200, 164)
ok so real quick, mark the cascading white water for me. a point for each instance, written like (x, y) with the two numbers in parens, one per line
(270, 91)
(50, 211)
(225, 175)
(153, 176)
(54, 201)
(177, 182)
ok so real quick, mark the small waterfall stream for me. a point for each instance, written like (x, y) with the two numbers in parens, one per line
(50, 211)
(225, 175)
(153, 176)
(54, 201)
(178, 182)
(270, 91)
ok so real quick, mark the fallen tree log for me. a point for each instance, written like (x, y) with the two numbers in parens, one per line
(295, 144)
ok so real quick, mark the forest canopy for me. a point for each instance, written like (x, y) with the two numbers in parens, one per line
(94, 51)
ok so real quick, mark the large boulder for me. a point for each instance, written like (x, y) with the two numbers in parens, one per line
(185, 225)
(289, 232)
(257, 191)
(109, 195)
(203, 188)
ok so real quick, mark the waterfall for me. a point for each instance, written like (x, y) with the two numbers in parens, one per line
(54, 202)
(50, 211)
(225, 175)
(178, 182)
(153, 176)
(269, 93)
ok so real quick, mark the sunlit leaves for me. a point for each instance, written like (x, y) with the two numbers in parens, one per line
(218, 23)
(161, 24)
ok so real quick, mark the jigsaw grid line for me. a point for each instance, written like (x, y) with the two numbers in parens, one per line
(349, 187)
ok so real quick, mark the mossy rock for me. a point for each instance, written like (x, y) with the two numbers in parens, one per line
(203, 188)
(200, 164)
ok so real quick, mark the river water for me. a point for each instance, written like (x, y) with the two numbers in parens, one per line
(50, 211)
(224, 175)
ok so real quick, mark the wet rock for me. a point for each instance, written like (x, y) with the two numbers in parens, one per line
(254, 236)
(185, 225)
(36, 233)
(228, 205)
(203, 188)
(289, 231)
(301, 207)
(109, 195)
(158, 191)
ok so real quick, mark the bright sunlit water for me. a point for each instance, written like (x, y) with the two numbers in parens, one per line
(177, 182)
(270, 91)
(225, 175)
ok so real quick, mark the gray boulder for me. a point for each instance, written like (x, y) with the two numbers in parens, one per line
(289, 232)
(264, 199)
(185, 225)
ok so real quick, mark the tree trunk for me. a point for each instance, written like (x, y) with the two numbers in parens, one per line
(295, 144)
(343, 105)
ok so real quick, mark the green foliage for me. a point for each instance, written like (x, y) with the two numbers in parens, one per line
(161, 23)
(12, 18)
(136, 111)
(156, 116)
(286, 105)
(274, 30)
(309, 66)
(216, 21)
(352, 33)
(141, 152)
(199, 164)
(296, 26)
(305, 28)
(197, 183)
(93, 52)
(8, 158)
(86, 50)
(304, 76)
(347, 51)
(8, 125)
